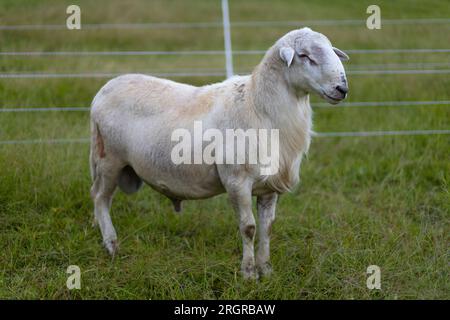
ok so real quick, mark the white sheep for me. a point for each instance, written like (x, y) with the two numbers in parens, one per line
(133, 117)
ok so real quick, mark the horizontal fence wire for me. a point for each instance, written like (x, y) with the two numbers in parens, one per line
(356, 104)
(218, 24)
(317, 134)
(414, 65)
(381, 133)
(219, 73)
(44, 109)
(383, 104)
(45, 141)
(203, 52)
(39, 75)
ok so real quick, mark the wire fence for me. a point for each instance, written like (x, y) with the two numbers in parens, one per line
(219, 24)
(316, 134)
(202, 52)
(196, 74)
(360, 104)
(227, 25)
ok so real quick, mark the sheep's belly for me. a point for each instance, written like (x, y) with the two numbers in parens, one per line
(185, 181)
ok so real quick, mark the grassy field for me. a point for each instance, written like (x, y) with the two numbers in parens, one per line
(361, 201)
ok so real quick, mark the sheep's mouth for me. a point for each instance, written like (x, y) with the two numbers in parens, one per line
(334, 100)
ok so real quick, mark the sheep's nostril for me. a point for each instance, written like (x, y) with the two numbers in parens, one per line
(342, 89)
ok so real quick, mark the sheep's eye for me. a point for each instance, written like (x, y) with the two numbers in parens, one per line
(304, 56)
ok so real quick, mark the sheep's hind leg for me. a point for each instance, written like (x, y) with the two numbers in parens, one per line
(103, 190)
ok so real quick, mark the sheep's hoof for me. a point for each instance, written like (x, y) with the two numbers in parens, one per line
(249, 273)
(111, 245)
(264, 269)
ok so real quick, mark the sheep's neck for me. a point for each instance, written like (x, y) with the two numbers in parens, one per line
(286, 110)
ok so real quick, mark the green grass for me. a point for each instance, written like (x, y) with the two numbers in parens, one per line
(361, 201)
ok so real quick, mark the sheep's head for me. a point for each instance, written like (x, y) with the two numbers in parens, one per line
(312, 64)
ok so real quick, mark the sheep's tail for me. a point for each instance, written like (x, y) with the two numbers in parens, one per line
(128, 181)
(94, 152)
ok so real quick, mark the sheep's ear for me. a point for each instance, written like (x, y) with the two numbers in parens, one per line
(341, 54)
(287, 55)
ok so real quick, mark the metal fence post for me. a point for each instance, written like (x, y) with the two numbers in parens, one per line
(227, 38)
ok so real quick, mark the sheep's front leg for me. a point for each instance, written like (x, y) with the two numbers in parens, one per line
(241, 199)
(266, 213)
